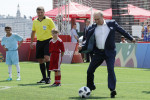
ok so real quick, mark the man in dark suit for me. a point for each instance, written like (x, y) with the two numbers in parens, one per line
(85, 33)
(104, 49)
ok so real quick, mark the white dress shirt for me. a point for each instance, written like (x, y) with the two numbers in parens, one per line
(101, 33)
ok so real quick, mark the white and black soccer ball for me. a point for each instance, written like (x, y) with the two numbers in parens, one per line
(84, 92)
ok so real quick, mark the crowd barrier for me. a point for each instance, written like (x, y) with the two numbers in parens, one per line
(71, 54)
(128, 54)
(132, 55)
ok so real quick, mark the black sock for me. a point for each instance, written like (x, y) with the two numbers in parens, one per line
(47, 67)
(42, 68)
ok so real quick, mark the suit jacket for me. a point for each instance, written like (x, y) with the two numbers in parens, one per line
(85, 34)
(90, 44)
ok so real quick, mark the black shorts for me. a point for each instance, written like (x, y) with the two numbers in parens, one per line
(42, 48)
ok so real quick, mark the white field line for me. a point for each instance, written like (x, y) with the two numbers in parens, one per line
(4, 87)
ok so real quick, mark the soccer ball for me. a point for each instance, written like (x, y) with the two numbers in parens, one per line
(84, 92)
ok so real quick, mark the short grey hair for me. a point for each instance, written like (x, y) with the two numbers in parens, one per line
(40, 8)
(98, 13)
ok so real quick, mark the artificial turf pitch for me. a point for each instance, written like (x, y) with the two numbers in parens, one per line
(132, 83)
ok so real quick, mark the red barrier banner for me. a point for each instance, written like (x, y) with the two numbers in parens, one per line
(71, 54)
(65, 38)
(2, 54)
(32, 53)
(69, 51)
(23, 52)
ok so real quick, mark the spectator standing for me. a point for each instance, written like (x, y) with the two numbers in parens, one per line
(74, 35)
(85, 33)
(123, 40)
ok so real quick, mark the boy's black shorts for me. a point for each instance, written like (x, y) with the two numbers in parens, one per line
(42, 48)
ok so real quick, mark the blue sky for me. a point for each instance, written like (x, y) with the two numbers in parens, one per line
(27, 7)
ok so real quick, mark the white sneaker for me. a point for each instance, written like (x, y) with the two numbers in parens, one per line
(18, 79)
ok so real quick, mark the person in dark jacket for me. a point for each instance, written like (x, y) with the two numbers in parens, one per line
(103, 49)
(85, 33)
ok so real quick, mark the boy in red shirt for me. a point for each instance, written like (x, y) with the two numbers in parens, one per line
(56, 52)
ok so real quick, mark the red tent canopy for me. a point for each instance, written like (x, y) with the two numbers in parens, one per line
(75, 11)
(138, 13)
(80, 11)
(108, 11)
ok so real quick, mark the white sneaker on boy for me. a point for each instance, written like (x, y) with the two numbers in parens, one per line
(18, 79)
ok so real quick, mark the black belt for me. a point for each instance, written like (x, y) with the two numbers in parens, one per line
(45, 40)
(101, 49)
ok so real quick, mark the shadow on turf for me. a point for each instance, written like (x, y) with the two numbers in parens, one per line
(147, 70)
(146, 92)
(32, 84)
(49, 86)
(79, 98)
(5, 81)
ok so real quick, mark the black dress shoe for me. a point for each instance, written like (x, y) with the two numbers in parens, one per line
(47, 81)
(92, 88)
(113, 93)
(41, 81)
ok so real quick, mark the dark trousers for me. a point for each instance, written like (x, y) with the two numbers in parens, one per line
(89, 56)
(98, 58)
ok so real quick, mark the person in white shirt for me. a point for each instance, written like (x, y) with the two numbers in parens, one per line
(123, 40)
(74, 35)
(103, 47)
